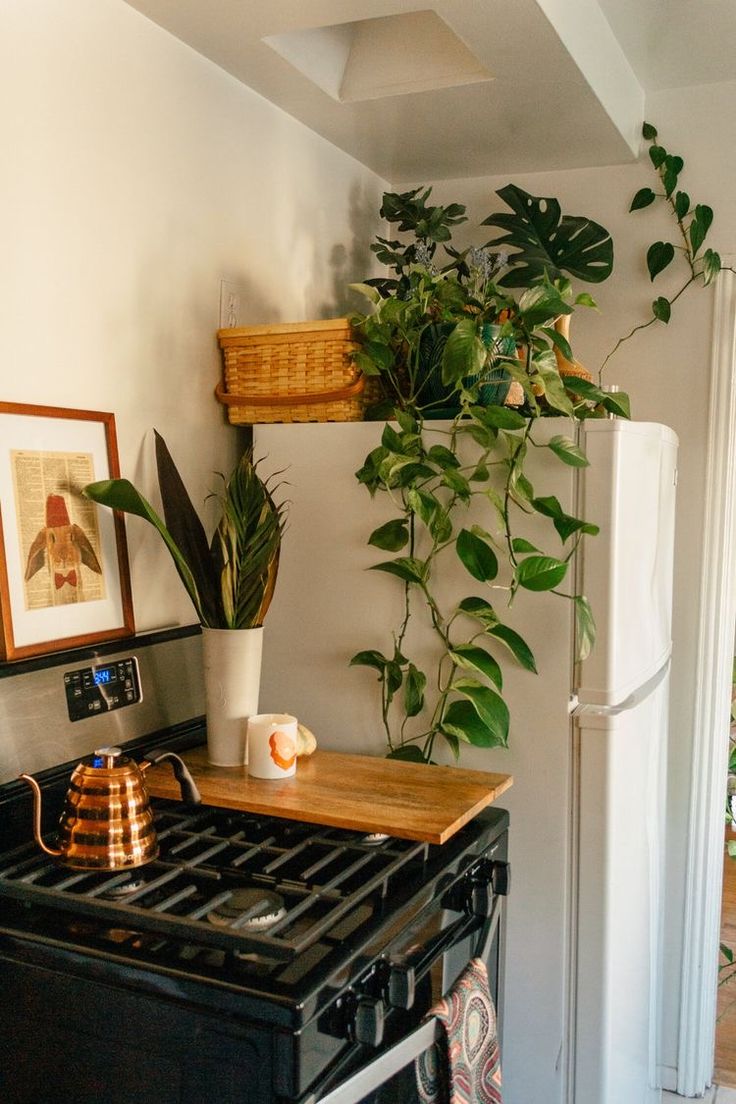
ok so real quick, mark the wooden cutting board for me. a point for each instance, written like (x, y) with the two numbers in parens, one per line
(409, 800)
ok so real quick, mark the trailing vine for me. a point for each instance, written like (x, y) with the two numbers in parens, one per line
(454, 343)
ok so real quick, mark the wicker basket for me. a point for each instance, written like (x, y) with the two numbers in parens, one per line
(293, 372)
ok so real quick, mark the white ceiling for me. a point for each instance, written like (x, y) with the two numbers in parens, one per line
(477, 86)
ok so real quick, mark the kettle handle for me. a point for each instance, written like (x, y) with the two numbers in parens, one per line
(189, 791)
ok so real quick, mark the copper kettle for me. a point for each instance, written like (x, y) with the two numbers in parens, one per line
(107, 820)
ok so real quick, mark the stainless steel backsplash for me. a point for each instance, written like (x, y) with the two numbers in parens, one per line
(35, 730)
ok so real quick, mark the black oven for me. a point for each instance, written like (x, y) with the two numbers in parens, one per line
(255, 959)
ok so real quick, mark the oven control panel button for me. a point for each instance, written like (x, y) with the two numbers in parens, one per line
(400, 985)
(368, 1020)
(91, 691)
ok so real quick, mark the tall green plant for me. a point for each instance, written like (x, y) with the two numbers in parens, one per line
(230, 579)
(455, 340)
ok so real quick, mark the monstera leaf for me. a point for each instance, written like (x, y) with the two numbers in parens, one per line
(547, 241)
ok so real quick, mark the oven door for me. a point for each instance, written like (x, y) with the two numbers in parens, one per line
(433, 967)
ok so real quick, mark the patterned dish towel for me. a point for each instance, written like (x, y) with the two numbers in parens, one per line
(466, 1068)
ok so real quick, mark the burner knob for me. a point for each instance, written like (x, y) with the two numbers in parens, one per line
(400, 985)
(368, 1021)
(501, 877)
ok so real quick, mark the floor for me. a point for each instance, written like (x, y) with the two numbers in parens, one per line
(725, 1057)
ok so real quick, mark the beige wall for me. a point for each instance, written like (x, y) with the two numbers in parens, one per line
(137, 175)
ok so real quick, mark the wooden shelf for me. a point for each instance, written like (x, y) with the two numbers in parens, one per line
(409, 800)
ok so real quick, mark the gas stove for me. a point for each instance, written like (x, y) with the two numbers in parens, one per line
(256, 958)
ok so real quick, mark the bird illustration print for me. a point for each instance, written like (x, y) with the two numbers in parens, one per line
(62, 547)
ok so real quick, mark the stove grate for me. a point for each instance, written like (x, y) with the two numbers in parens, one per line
(205, 857)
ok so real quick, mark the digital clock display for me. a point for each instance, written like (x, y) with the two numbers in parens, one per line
(103, 675)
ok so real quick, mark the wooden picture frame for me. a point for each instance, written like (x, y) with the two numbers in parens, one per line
(64, 575)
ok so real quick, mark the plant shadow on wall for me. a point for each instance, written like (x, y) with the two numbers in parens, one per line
(471, 350)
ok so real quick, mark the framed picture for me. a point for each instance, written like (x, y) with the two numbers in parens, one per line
(64, 578)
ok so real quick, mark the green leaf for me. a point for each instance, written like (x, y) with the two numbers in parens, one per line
(490, 707)
(567, 525)
(649, 133)
(369, 658)
(410, 753)
(477, 556)
(704, 215)
(657, 155)
(540, 572)
(478, 659)
(697, 234)
(440, 527)
(568, 451)
(618, 403)
(120, 494)
(456, 482)
(479, 609)
(407, 568)
(541, 303)
(499, 417)
(554, 390)
(519, 544)
(381, 355)
(682, 204)
(549, 505)
(394, 678)
(669, 179)
(585, 300)
(662, 309)
(422, 504)
(584, 627)
(390, 537)
(461, 721)
(711, 266)
(518, 647)
(391, 440)
(464, 353)
(443, 457)
(659, 255)
(643, 198)
(547, 242)
(416, 681)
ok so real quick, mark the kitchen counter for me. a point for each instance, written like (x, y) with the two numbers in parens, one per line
(359, 792)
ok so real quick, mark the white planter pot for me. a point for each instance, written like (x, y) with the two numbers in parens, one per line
(232, 677)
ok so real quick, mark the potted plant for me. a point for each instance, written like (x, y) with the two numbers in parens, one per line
(454, 340)
(230, 580)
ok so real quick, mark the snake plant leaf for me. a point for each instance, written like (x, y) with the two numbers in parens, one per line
(188, 533)
(120, 494)
(549, 242)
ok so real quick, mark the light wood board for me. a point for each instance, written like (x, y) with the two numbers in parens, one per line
(409, 800)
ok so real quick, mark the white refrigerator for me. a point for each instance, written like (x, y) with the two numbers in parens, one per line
(588, 742)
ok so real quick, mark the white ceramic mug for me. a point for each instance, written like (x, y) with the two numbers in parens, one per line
(272, 745)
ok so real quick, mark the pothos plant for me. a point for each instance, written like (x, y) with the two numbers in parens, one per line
(451, 340)
(693, 221)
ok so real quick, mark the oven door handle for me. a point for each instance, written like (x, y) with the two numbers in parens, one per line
(376, 1073)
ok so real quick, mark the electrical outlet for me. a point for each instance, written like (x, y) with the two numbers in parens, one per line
(232, 297)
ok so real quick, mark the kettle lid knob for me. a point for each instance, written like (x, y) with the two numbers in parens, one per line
(106, 756)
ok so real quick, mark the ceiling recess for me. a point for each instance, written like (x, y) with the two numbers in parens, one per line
(371, 59)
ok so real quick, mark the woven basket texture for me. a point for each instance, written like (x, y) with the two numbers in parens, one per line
(293, 372)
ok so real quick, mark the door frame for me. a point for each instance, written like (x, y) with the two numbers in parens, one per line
(713, 677)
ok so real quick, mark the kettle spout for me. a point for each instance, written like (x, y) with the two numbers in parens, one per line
(37, 816)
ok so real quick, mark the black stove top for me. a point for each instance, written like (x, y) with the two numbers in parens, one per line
(270, 907)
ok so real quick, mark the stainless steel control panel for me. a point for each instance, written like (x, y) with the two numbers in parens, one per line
(94, 690)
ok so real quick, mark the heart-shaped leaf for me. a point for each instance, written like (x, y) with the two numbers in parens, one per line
(407, 568)
(540, 572)
(477, 556)
(568, 451)
(478, 659)
(643, 198)
(516, 644)
(390, 537)
(416, 681)
(659, 255)
(490, 707)
(662, 309)
(462, 720)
